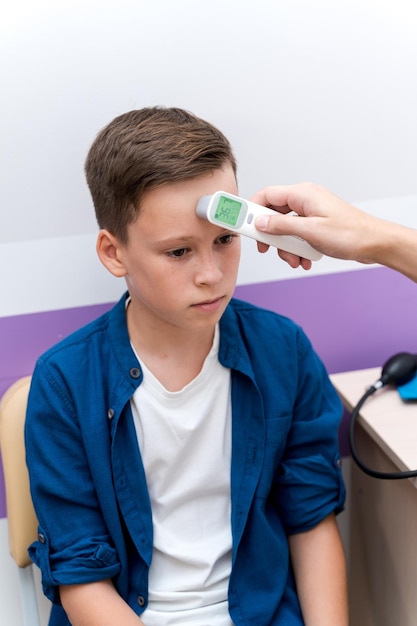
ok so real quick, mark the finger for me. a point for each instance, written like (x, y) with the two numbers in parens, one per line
(306, 264)
(262, 247)
(293, 260)
(274, 198)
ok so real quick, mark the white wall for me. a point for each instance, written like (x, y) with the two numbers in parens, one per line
(320, 90)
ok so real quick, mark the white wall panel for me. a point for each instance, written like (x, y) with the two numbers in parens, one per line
(322, 91)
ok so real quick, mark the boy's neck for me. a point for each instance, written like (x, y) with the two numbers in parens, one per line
(175, 356)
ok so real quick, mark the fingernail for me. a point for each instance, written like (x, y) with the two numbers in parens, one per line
(262, 222)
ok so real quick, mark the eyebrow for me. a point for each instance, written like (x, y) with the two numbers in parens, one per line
(174, 241)
(183, 240)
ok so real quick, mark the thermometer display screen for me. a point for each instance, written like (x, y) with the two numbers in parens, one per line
(227, 210)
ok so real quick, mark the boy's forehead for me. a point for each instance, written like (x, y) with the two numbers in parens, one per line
(170, 211)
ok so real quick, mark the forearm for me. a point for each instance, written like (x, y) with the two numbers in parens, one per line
(97, 604)
(320, 573)
(395, 246)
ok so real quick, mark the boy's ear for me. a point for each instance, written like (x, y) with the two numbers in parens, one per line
(108, 248)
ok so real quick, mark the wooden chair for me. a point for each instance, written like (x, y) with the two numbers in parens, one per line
(22, 522)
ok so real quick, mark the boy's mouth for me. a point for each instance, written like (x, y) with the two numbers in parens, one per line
(210, 305)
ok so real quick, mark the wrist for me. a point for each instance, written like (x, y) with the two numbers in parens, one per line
(377, 242)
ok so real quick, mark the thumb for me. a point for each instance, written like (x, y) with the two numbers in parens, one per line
(277, 224)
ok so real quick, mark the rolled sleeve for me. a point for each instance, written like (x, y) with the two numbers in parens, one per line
(310, 489)
(77, 564)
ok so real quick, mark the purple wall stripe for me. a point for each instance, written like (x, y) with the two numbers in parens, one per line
(354, 319)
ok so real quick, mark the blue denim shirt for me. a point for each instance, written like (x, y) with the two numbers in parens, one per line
(88, 482)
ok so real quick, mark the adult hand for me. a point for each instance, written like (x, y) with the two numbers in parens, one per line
(334, 227)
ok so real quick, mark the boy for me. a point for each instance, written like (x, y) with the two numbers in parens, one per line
(182, 449)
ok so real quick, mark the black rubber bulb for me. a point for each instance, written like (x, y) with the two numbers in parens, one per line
(399, 369)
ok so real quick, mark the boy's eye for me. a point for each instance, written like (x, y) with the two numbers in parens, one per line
(179, 252)
(227, 238)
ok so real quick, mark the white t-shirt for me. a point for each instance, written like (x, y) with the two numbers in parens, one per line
(185, 441)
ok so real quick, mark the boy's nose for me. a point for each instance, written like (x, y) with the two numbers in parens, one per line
(208, 272)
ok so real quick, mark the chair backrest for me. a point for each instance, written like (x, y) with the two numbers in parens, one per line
(21, 518)
(22, 522)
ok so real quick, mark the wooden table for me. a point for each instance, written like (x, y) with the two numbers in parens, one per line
(383, 524)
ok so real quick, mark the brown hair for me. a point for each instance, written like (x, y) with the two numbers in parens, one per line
(144, 149)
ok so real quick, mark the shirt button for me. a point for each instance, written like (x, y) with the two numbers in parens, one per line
(41, 538)
(135, 372)
(339, 463)
(110, 414)
(141, 601)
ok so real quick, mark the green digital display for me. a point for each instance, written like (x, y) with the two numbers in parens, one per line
(227, 210)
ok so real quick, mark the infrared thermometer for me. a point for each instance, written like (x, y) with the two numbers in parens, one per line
(236, 214)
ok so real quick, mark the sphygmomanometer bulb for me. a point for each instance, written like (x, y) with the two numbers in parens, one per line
(399, 369)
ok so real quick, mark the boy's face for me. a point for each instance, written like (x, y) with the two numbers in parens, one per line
(180, 270)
